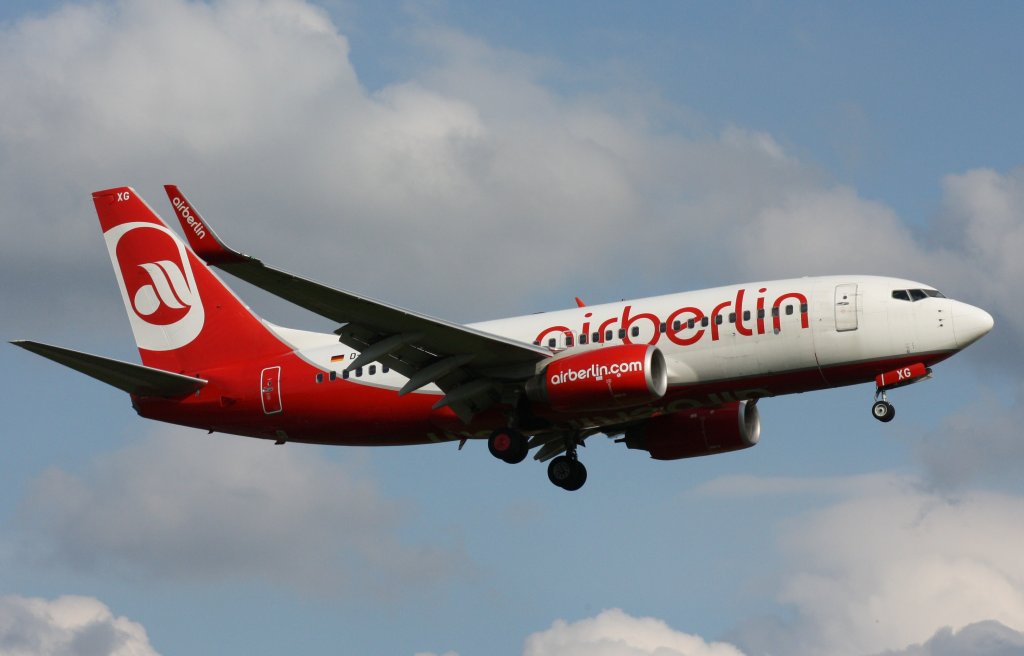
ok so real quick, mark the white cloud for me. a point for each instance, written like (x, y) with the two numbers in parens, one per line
(616, 633)
(69, 625)
(474, 174)
(983, 218)
(889, 566)
(179, 506)
(256, 110)
(979, 639)
(972, 251)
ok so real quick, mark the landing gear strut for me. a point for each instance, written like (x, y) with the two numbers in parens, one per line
(566, 471)
(882, 410)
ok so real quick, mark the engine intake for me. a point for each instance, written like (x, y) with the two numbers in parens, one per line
(621, 376)
(698, 432)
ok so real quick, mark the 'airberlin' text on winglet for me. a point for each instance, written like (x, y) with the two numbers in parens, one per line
(186, 213)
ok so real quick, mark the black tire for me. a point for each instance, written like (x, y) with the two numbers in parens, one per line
(560, 470)
(579, 477)
(567, 473)
(508, 445)
(883, 411)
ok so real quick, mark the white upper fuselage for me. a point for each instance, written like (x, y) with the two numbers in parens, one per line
(744, 331)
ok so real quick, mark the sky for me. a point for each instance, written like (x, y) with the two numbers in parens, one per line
(477, 162)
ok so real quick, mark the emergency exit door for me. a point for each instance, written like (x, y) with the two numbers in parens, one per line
(270, 390)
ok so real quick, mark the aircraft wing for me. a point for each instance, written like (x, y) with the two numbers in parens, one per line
(132, 378)
(469, 365)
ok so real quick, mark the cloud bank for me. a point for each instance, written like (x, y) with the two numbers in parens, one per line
(888, 564)
(473, 155)
(71, 625)
(170, 508)
(616, 633)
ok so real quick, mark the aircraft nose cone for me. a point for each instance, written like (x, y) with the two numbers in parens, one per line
(970, 324)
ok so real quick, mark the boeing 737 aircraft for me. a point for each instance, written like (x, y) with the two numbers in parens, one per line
(677, 376)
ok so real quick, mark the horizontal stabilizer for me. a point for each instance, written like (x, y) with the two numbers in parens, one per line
(132, 378)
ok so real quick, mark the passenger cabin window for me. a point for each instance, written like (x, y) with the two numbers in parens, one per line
(622, 333)
(596, 338)
(334, 376)
(635, 331)
(551, 343)
(583, 338)
(608, 335)
(373, 369)
(345, 374)
(320, 377)
(789, 310)
(568, 340)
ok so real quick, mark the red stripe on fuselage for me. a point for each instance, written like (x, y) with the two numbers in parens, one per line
(348, 413)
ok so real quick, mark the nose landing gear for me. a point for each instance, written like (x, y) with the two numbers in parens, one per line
(882, 410)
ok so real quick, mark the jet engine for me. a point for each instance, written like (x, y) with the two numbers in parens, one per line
(621, 376)
(698, 432)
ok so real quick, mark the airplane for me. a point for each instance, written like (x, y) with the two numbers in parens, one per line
(677, 376)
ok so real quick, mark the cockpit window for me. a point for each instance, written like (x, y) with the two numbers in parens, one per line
(916, 294)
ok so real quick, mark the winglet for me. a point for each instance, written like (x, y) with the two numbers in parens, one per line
(201, 237)
(580, 303)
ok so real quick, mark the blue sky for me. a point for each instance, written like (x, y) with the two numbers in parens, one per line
(476, 163)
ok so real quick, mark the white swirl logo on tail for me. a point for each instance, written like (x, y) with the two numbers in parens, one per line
(168, 288)
(157, 285)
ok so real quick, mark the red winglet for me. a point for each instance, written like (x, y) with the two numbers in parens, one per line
(201, 237)
(580, 303)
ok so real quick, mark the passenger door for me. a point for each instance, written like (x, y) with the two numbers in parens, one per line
(846, 307)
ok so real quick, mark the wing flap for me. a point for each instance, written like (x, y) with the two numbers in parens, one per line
(132, 378)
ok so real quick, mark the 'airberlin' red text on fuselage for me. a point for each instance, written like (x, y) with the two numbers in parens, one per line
(686, 326)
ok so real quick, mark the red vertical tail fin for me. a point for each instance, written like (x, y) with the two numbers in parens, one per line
(183, 317)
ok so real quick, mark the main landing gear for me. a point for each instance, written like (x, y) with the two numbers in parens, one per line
(882, 410)
(565, 471)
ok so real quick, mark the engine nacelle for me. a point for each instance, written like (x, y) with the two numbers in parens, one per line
(621, 376)
(698, 432)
